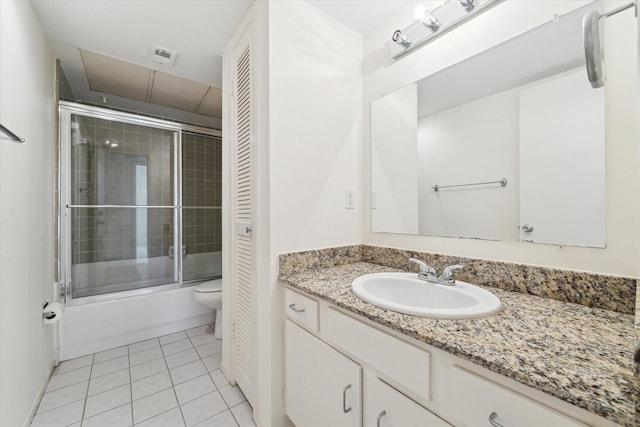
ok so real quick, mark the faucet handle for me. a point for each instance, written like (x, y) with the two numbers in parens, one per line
(447, 274)
(424, 268)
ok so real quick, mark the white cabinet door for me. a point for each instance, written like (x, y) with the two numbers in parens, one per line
(386, 407)
(322, 387)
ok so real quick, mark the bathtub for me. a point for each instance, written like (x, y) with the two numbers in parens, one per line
(127, 318)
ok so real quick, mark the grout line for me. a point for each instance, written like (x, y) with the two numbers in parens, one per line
(173, 386)
(84, 407)
(130, 386)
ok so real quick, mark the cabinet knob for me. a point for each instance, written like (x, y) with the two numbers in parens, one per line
(492, 420)
(380, 415)
(344, 400)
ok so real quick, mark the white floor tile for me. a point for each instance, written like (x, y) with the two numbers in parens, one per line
(186, 372)
(145, 356)
(202, 339)
(176, 347)
(232, 395)
(204, 329)
(104, 368)
(107, 400)
(212, 362)
(189, 390)
(117, 417)
(153, 405)
(60, 417)
(147, 369)
(223, 419)
(218, 378)
(167, 339)
(243, 413)
(202, 408)
(70, 365)
(103, 356)
(144, 345)
(172, 418)
(209, 349)
(182, 358)
(68, 378)
(145, 383)
(109, 381)
(150, 385)
(63, 396)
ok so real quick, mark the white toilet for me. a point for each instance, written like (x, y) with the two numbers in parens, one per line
(210, 294)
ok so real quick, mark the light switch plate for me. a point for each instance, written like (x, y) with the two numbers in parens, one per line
(348, 198)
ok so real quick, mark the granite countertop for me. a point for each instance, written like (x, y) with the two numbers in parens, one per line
(581, 355)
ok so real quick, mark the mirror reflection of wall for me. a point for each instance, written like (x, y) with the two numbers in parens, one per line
(523, 110)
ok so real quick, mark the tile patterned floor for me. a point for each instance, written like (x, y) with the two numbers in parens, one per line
(170, 381)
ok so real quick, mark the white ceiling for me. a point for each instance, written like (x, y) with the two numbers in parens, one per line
(361, 15)
(197, 29)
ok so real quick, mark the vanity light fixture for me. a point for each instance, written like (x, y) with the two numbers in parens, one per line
(401, 39)
(430, 22)
(467, 4)
(436, 22)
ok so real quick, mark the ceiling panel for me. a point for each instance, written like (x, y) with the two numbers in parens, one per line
(113, 76)
(212, 103)
(176, 92)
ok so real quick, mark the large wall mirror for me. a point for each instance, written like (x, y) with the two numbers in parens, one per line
(506, 145)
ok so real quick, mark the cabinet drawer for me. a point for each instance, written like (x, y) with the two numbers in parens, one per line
(400, 361)
(301, 309)
(387, 407)
(475, 399)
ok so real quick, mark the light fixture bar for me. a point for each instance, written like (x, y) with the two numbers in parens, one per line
(435, 23)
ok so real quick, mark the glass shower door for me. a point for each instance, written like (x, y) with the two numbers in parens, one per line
(123, 210)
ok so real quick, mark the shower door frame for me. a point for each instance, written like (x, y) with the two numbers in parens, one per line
(66, 110)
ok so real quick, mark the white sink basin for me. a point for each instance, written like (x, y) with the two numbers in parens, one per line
(405, 293)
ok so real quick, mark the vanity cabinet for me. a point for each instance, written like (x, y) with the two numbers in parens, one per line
(322, 387)
(341, 370)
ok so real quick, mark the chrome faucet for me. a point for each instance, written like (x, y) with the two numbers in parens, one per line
(426, 272)
(430, 274)
(447, 275)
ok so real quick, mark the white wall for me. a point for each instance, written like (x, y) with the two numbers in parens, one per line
(474, 142)
(394, 161)
(27, 73)
(506, 20)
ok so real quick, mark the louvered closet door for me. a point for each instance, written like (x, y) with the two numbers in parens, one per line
(245, 346)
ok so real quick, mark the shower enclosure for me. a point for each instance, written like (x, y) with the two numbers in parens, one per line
(140, 203)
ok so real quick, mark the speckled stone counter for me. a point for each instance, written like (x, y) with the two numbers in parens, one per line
(581, 355)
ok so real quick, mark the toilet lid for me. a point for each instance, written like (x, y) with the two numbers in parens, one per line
(210, 286)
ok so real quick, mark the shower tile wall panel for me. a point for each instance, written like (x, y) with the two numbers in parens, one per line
(105, 175)
(201, 187)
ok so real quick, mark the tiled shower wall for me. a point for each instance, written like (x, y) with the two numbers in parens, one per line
(201, 187)
(104, 175)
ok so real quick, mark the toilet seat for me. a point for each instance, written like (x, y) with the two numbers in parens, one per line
(211, 286)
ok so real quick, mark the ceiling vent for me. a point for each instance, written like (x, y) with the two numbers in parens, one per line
(161, 55)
